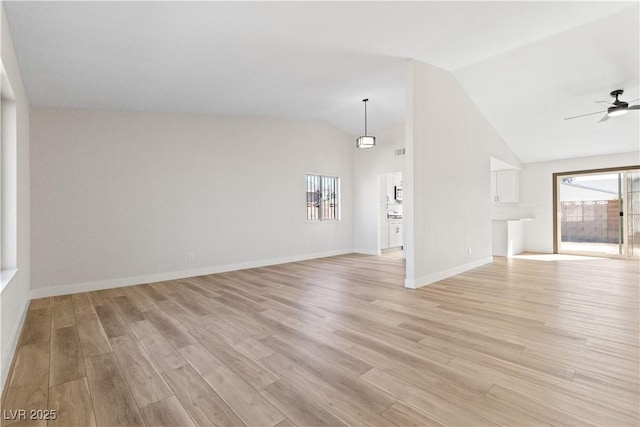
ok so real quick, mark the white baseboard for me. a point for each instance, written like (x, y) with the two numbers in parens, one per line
(7, 357)
(172, 275)
(440, 275)
(368, 251)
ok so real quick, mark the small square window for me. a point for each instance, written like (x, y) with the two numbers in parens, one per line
(323, 198)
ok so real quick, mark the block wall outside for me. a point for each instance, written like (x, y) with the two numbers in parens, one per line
(590, 221)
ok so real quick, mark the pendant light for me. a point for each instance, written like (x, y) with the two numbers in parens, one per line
(365, 141)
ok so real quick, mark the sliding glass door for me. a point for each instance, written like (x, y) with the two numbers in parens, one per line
(598, 213)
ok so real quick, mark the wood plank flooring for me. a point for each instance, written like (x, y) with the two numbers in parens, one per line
(338, 341)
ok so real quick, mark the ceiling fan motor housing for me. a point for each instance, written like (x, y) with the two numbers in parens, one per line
(620, 107)
(618, 110)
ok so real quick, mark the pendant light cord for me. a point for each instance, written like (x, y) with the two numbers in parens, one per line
(365, 116)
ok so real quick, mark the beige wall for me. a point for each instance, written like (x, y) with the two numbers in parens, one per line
(368, 165)
(447, 186)
(124, 197)
(14, 298)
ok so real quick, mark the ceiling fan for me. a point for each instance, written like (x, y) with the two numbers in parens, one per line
(616, 108)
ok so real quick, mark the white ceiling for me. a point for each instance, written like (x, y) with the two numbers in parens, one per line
(527, 65)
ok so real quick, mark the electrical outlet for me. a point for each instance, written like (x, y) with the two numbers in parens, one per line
(191, 256)
(469, 251)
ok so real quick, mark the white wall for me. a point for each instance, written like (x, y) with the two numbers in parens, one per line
(14, 298)
(367, 166)
(123, 197)
(536, 190)
(447, 184)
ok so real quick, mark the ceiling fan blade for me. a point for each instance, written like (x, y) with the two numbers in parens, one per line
(583, 115)
(635, 107)
(634, 100)
(604, 119)
(606, 102)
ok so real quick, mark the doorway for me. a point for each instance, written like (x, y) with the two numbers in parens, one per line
(597, 212)
(390, 216)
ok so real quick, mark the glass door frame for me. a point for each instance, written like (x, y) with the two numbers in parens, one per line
(557, 237)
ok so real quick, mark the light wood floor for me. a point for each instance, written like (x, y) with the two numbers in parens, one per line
(338, 341)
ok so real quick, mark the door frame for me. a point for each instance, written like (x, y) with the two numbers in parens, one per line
(555, 177)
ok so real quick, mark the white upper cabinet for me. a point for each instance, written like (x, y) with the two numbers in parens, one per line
(505, 186)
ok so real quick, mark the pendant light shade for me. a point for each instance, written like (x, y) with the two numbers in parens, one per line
(365, 141)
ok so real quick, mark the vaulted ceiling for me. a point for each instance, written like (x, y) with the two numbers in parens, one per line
(527, 65)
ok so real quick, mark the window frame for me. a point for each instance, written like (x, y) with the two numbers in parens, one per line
(8, 181)
(321, 181)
